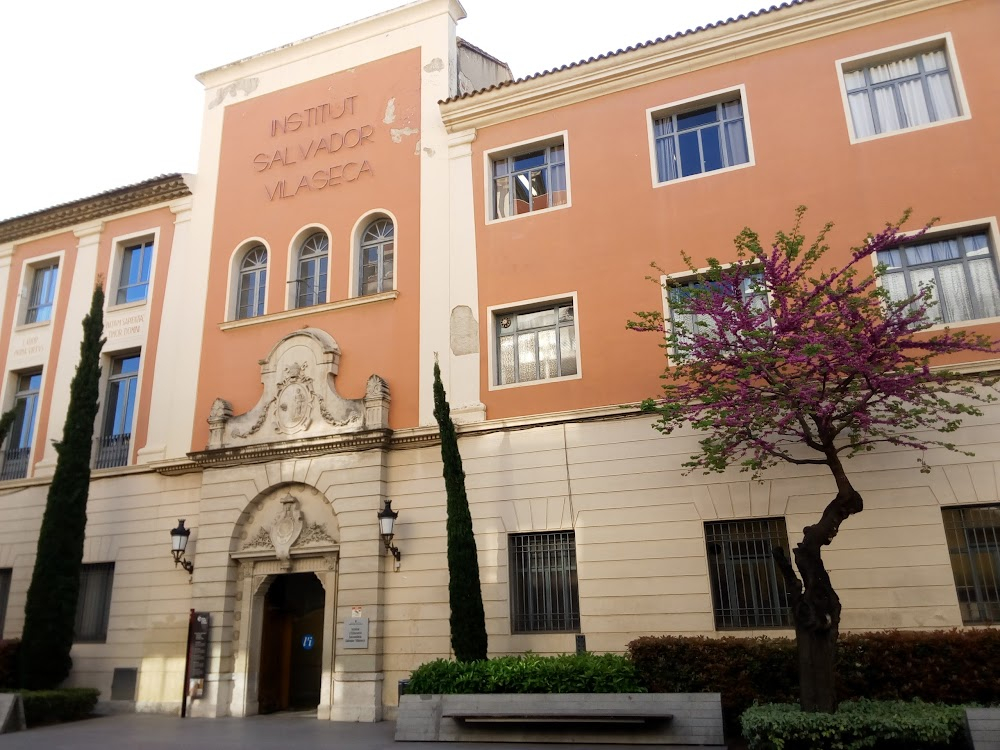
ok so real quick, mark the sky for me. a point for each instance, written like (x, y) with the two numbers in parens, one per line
(101, 94)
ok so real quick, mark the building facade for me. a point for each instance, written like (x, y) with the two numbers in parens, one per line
(381, 196)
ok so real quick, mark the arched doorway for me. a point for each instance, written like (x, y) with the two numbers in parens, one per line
(291, 650)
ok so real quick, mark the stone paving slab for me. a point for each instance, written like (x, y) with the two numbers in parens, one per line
(280, 732)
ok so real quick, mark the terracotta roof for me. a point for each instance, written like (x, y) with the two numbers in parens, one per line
(640, 45)
(155, 190)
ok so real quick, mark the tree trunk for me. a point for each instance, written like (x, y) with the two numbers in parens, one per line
(815, 605)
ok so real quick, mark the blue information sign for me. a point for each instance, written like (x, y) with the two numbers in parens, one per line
(307, 642)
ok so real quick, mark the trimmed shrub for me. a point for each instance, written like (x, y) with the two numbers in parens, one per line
(886, 725)
(8, 663)
(945, 666)
(52, 706)
(573, 673)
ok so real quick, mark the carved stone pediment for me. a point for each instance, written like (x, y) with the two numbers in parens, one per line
(300, 398)
(288, 530)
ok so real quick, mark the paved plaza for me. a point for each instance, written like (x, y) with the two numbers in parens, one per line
(280, 731)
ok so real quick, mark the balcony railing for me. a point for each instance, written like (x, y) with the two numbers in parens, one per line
(15, 463)
(112, 451)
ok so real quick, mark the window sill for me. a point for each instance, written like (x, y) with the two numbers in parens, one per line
(127, 305)
(539, 212)
(541, 381)
(702, 175)
(311, 310)
(32, 326)
(878, 136)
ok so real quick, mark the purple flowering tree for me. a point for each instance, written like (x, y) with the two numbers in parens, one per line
(776, 359)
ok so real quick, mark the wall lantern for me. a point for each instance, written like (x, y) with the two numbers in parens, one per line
(386, 521)
(178, 544)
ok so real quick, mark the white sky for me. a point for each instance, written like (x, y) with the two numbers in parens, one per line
(98, 94)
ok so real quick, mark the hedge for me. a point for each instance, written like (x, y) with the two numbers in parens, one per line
(64, 704)
(886, 725)
(949, 666)
(575, 673)
(8, 663)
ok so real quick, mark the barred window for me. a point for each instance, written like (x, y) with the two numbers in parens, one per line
(747, 589)
(22, 432)
(973, 535)
(5, 575)
(94, 603)
(544, 595)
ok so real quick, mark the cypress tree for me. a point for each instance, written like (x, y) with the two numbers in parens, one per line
(468, 620)
(50, 611)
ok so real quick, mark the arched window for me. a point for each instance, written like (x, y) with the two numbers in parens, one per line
(310, 281)
(253, 283)
(377, 243)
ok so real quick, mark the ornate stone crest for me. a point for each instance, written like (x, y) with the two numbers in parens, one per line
(294, 400)
(288, 529)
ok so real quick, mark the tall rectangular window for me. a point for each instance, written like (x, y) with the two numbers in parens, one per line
(544, 594)
(5, 577)
(747, 589)
(532, 179)
(536, 344)
(42, 294)
(703, 138)
(973, 535)
(119, 412)
(686, 325)
(133, 278)
(18, 450)
(94, 603)
(962, 270)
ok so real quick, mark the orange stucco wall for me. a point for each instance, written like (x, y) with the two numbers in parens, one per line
(283, 169)
(601, 245)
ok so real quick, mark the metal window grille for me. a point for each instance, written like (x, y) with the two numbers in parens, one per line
(377, 246)
(5, 577)
(253, 283)
(544, 594)
(113, 444)
(536, 344)
(42, 295)
(133, 280)
(310, 286)
(700, 140)
(93, 606)
(962, 270)
(747, 589)
(529, 181)
(18, 450)
(973, 535)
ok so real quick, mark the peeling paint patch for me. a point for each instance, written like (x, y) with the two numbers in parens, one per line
(397, 134)
(434, 65)
(429, 151)
(245, 86)
(464, 331)
(390, 112)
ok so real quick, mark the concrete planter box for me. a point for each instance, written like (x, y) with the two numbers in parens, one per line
(685, 718)
(983, 728)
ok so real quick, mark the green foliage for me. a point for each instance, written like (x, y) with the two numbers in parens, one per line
(6, 420)
(52, 706)
(944, 666)
(886, 725)
(50, 610)
(571, 673)
(468, 619)
(8, 663)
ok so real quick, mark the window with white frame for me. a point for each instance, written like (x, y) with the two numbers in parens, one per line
(5, 577)
(973, 534)
(42, 295)
(119, 412)
(252, 287)
(961, 269)
(531, 179)
(311, 270)
(544, 593)
(376, 257)
(93, 605)
(747, 588)
(538, 343)
(911, 89)
(685, 325)
(133, 275)
(701, 137)
(22, 430)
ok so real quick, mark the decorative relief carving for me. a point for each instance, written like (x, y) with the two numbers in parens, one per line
(288, 529)
(260, 540)
(300, 397)
(315, 533)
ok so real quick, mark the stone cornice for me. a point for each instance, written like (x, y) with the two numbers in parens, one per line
(262, 452)
(156, 190)
(684, 53)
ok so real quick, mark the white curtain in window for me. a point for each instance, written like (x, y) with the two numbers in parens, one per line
(925, 277)
(895, 284)
(954, 294)
(885, 103)
(893, 70)
(861, 114)
(736, 143)
(984, 285)
(942, 95)
(911, 93)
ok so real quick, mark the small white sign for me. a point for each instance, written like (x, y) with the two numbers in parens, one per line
(356, 632)
(356, 611)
